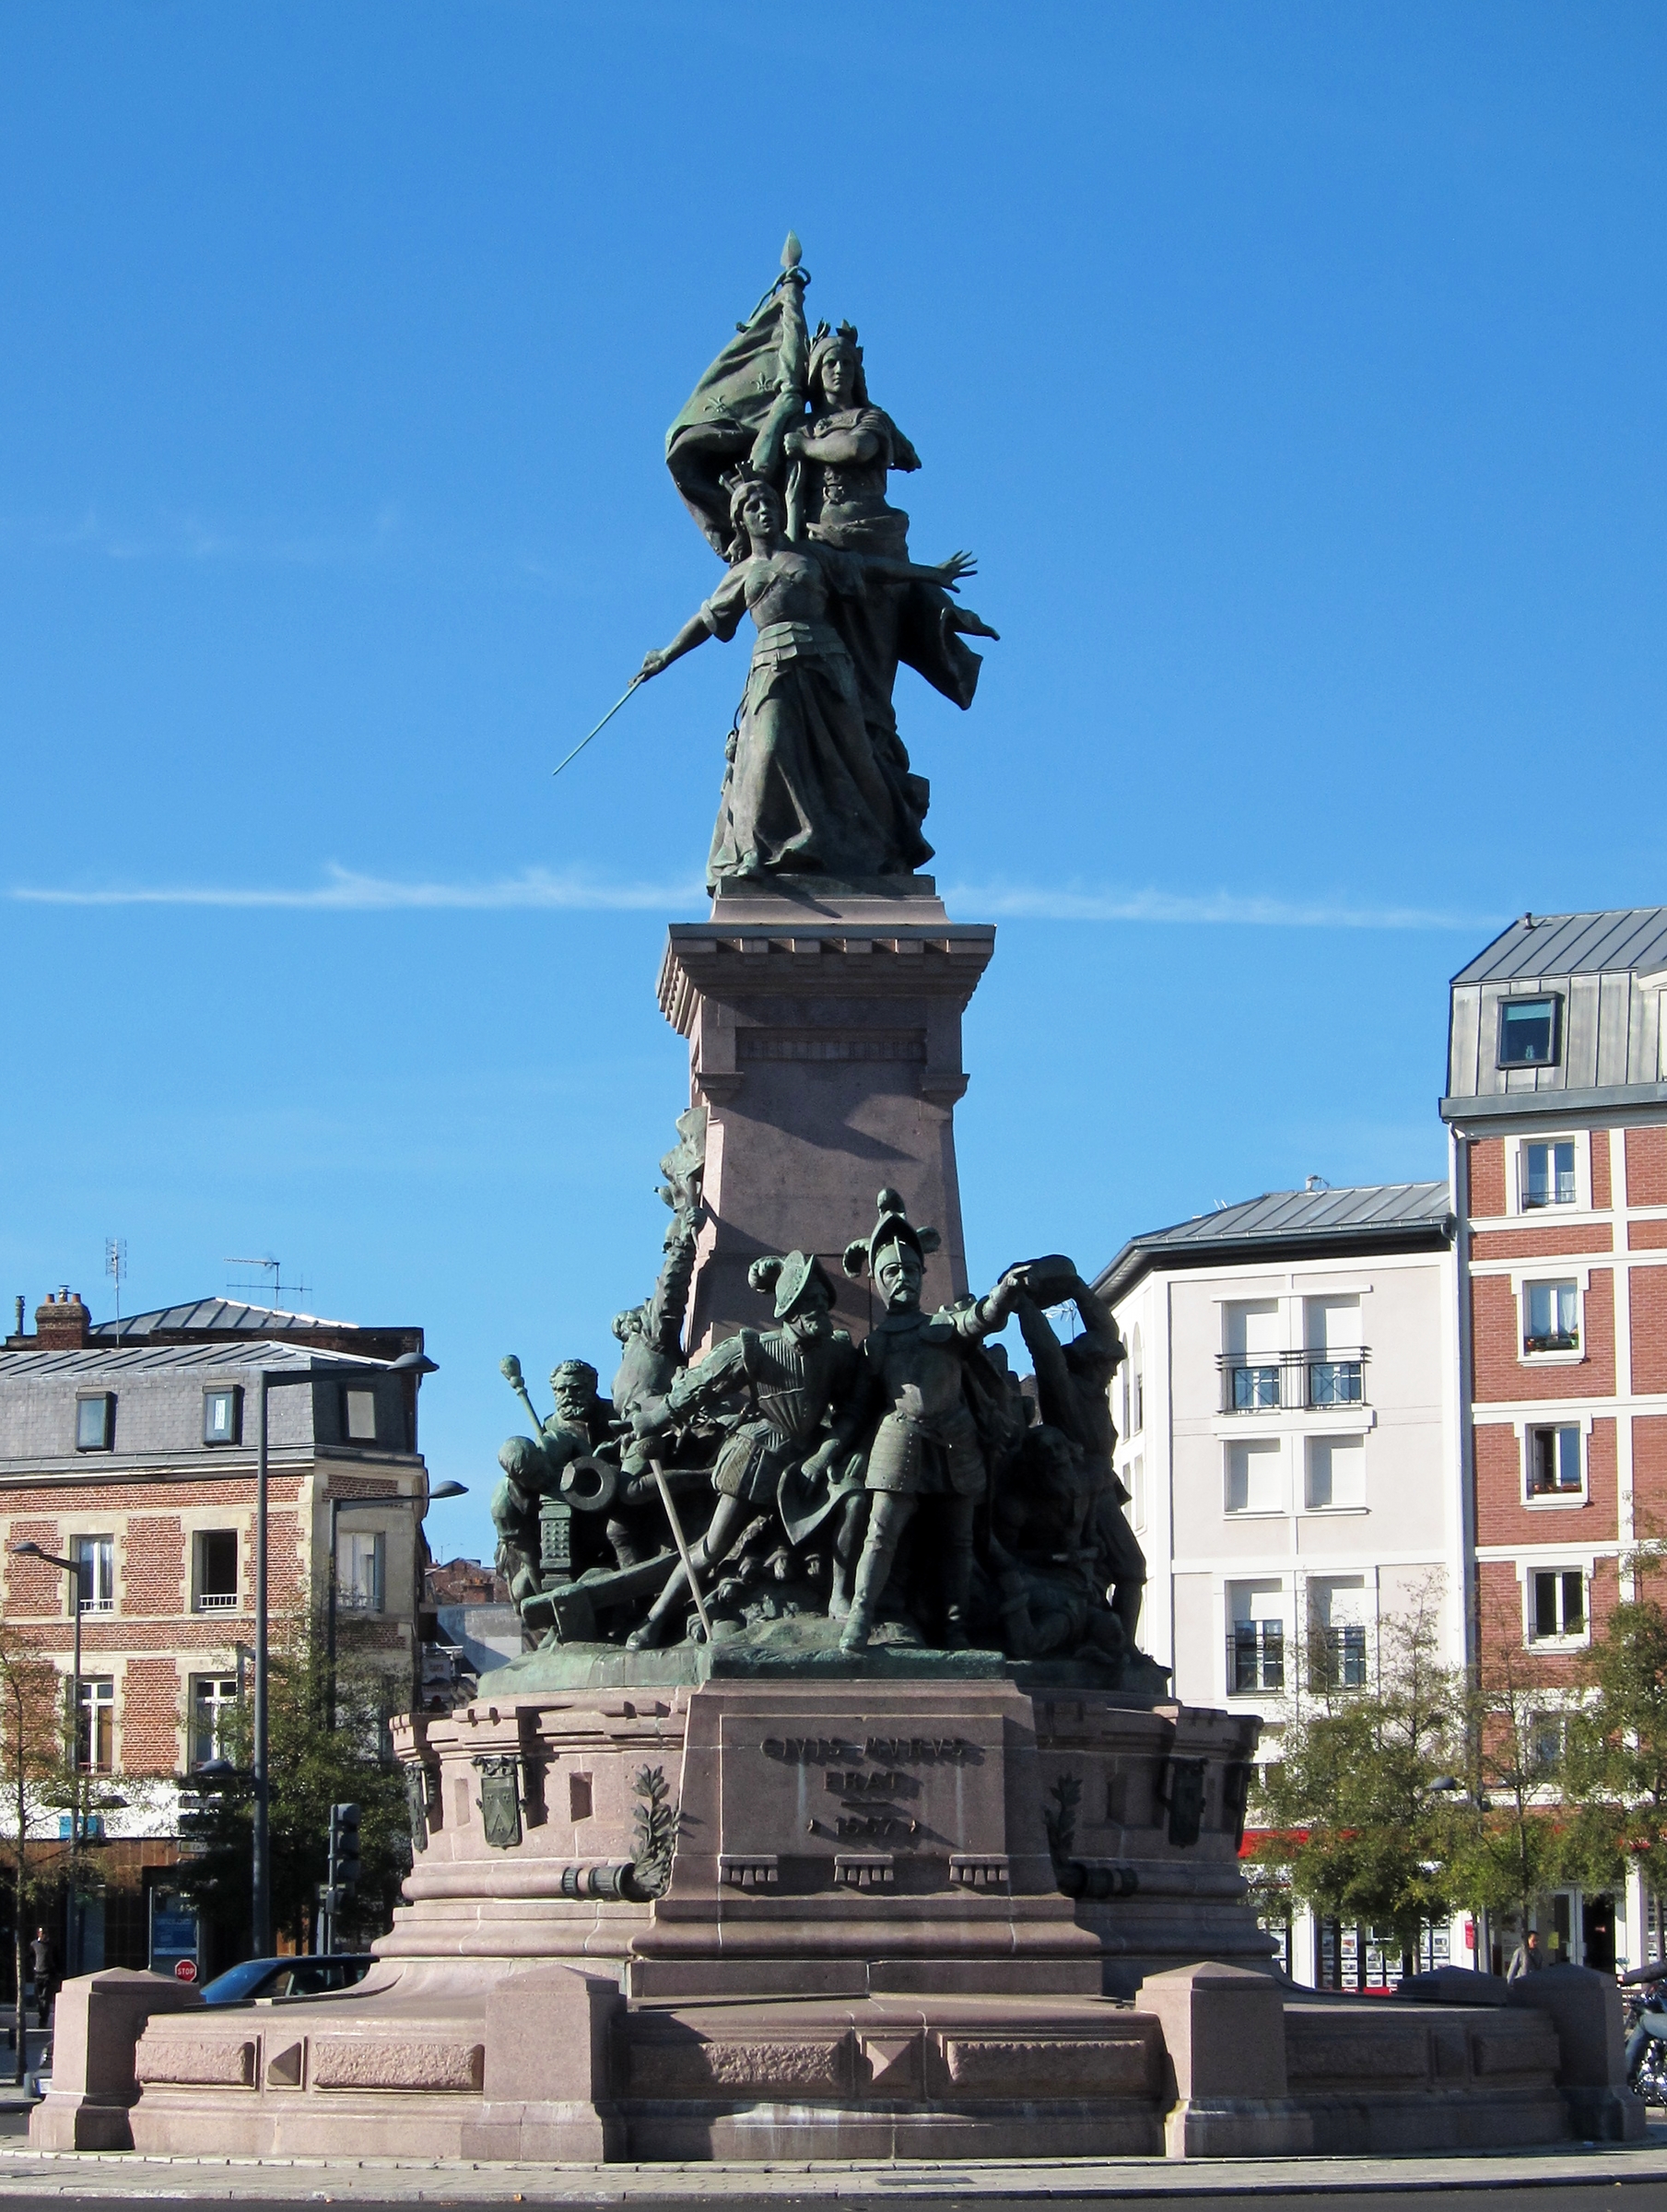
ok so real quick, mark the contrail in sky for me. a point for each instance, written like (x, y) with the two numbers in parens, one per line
(347, 891)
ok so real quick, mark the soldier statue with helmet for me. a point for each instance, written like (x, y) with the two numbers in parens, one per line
(925, 1441)
(778, 1386)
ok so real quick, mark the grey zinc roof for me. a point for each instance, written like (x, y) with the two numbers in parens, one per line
(1545, 945)
(108, 1359)
(211, 1313)
(1373, 1214)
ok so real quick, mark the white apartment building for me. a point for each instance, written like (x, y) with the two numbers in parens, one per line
(1288, 1432)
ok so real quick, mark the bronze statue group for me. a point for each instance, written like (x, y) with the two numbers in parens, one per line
(911, 1488)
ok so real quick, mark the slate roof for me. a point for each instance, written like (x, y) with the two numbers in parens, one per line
(1365, 1217)
(1596, 944)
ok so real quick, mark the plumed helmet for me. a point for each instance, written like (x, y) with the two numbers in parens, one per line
(790, 1277)
(892, 1226)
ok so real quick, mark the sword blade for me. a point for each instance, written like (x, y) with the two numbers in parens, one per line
(600, 726)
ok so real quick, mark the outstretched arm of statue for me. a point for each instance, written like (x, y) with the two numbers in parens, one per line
(709, 1381)
(1099, 1335)
(1047, 1354)
(694, 633)
(664, 1326)
(947, 573)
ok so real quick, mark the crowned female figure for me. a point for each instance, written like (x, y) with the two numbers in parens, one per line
(844, 454)
(806, 791)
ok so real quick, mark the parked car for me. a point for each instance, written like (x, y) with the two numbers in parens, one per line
(305, 1976)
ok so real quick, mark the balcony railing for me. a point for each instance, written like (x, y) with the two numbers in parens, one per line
(1558, 1190)
(216, 1600)
(1256, 1655)
(1266, 1382)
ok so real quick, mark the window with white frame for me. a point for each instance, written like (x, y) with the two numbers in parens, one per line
(1135, 1480)
(1547, 1733)
(359, 1571)
(1556, 1604)
(1546, 1172)
(1335, 1480)
(96, 1731)
(1254, 1477)
(95, 1584)
(1338, 1613)
(1137, 1386)
(1251, 1344)
(217, 1570)
(1552, 1463)
(1551, 1317)
(1256, 1655)
(213, 1699)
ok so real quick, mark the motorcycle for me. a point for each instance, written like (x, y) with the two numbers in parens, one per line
(1646, 1988)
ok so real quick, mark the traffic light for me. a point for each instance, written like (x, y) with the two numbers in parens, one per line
(344, 1847)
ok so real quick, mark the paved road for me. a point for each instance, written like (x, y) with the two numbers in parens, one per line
(1568, 2180)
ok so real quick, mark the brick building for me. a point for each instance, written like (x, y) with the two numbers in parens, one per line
(1557, 1105)
(132, 1450)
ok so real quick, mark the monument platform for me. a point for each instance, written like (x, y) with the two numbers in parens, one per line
(892, 1915)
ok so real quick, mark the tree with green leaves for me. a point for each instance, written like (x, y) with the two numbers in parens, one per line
(313, 1765)
(1350, 1799)
(1614, 1760)
(34, 1776)
(1507, 1828)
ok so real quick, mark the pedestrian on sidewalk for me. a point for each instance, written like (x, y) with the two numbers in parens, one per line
(43, 1963)
(1525, 1959)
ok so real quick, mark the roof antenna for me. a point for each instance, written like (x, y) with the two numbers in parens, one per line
(1316, 1182)
(273, 1288)
(1528, 920)
(115, 1267)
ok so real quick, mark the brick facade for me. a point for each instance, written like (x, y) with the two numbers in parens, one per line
(1503, 1376)
(1487, 1178)
(1650, 1328)
(1647, 1166)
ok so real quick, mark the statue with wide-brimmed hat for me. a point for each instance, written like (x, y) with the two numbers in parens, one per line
(773, 1392)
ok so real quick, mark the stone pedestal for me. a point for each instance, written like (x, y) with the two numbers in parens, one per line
(825, 1040)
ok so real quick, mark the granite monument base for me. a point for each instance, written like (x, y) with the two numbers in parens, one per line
(938, 1913)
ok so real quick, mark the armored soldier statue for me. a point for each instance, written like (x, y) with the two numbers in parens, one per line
(533, 1467)
(926, 1443)
(788, 1379)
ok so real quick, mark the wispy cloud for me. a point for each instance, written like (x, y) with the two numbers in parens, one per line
(193, 538)
(1231, 908)
(347, 891)
(344, 891)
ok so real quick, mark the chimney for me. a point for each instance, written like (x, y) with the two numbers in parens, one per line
(60, 1325)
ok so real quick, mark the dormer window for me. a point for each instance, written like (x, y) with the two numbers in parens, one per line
(1527, 1031)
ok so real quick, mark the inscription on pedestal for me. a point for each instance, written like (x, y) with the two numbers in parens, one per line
(864, 1811)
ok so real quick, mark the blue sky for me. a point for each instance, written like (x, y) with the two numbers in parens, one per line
(1296, 372)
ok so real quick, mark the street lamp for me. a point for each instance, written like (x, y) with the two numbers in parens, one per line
(378, 1498)
(77, 1570)
(408, 1363)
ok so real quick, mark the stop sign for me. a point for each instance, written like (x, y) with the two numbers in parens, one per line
(185, 1970)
